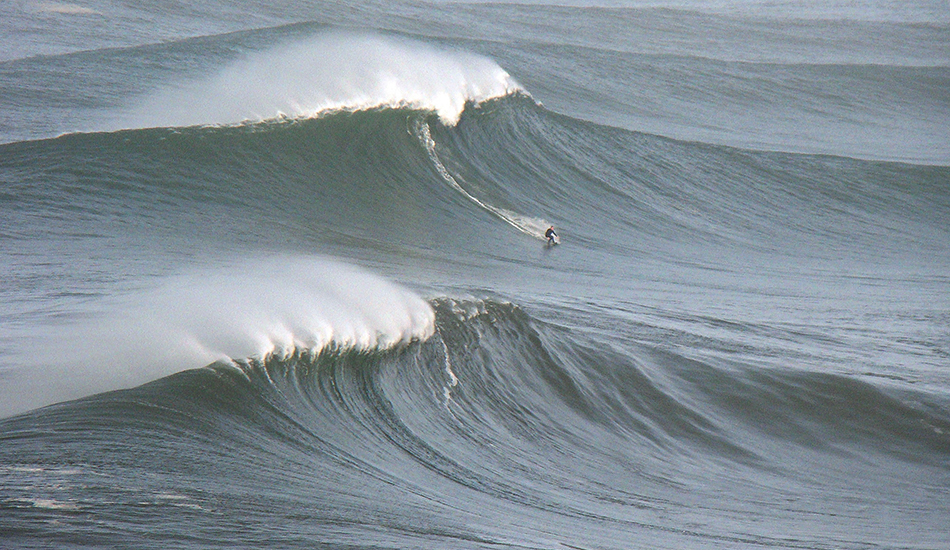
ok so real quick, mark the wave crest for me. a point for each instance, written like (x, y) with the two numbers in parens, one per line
(271, 307)
(335, 71)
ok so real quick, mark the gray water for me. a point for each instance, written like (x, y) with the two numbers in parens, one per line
(275, 276)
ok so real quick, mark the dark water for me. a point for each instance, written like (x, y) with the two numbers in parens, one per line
(278, 280)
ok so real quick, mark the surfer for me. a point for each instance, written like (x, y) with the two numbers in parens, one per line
(551, 236)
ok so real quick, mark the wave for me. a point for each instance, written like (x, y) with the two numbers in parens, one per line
(655, 77)
(487, 371)
(496, 397)
(396, 188)
(333, 71)
(509, 151)
(260, 307)
(509, 157)
(498, 416)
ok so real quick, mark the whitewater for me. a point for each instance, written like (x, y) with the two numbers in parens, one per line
(275, 276)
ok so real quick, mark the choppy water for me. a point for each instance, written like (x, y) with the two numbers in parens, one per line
(274, 276)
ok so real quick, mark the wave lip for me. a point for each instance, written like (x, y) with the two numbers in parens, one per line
(331, 72)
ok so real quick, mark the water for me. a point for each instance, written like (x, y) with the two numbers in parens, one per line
(275, 276)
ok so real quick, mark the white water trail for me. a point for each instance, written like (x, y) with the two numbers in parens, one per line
(534, 227)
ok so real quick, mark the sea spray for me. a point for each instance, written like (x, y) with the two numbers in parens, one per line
(260, 307)
(335, 71)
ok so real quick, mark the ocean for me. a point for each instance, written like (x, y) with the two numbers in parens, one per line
(274, 274)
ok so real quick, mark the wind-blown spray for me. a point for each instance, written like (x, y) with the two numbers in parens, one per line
(331, 72)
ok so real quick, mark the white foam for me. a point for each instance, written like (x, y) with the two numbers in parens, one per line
(269, 306)
(63, 8)
(330, 72)
(50, 504)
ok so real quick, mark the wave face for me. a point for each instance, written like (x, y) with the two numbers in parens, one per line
(273, 282)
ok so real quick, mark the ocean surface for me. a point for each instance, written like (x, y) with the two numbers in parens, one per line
(273, 274)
